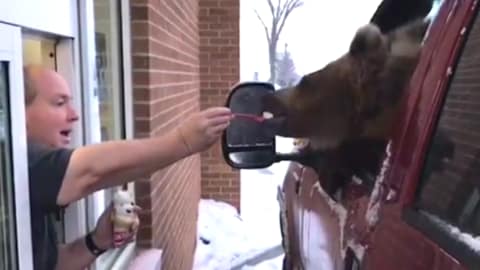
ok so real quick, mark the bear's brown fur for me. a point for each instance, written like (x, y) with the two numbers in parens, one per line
(353, 100)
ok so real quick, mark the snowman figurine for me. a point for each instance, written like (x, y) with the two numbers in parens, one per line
(124, 217)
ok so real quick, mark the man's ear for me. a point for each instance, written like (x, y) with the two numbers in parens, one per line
(367, 40)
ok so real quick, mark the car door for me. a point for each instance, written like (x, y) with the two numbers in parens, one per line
(434, 222)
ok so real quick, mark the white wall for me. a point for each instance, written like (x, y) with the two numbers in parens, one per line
(53, 16)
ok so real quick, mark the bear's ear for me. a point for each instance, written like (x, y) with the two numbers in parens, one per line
(367, 40)
(413, 31)
(406, 41)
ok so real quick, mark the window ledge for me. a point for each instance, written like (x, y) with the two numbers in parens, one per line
(443, 238)
(147, 260)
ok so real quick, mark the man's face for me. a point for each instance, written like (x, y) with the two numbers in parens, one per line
(50, 116)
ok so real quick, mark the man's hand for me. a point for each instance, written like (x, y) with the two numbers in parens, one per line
(202, 129)
(103, 233)
(75, 255)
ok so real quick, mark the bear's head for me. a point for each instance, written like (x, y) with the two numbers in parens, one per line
(354, 96)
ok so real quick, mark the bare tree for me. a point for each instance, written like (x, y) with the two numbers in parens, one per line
(279, 14)
(285, 70)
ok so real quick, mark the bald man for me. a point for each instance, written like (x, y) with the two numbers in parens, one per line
(60, 176)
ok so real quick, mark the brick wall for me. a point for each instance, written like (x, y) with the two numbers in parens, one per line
(219, 70)
(179, 48)
(165, 55)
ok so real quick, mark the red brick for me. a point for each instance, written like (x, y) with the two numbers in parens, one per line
(219, 70)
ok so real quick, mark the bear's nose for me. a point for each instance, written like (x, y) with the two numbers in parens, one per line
(129, 211)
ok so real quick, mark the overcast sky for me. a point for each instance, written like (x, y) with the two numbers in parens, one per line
(316, 33)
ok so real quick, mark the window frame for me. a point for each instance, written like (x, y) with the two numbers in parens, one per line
(12, 53)
(422, 220)
(58, 18)
(97, 202)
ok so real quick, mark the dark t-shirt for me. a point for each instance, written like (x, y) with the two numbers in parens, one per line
(46, 167)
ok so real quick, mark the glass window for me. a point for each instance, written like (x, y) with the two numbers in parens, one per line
(7, 208)
(450, 183)
(110, 88)
(108, 68)
(109, 63)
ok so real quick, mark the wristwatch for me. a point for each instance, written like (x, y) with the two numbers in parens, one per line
(92, 247)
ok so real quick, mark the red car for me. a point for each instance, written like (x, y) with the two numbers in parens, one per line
(420, 207)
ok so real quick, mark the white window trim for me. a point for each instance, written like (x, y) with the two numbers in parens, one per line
(12, 52)
(95, 202)
(127, 74)
(116, 259)
(128, 252)
(59, 18)
(127, 68)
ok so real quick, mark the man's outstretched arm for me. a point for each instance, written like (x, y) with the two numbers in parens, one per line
(113, 163)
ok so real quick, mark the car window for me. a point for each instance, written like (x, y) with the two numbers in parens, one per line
(449, 191)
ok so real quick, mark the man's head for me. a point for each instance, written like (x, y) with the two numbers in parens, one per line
(49, 112)
(350, 96)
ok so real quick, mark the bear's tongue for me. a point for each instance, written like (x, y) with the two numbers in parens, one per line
(265, 116)
(247, 116)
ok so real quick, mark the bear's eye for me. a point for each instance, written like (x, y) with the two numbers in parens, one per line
(132, 204)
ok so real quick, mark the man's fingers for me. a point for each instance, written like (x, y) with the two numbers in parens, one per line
(125, 241)
(217, 112)
(220, 120)
(217, 130)
(129, 238)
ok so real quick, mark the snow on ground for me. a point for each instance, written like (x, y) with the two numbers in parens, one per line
(259, 205)
(227, 238)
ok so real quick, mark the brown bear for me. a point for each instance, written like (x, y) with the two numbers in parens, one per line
(348, 107)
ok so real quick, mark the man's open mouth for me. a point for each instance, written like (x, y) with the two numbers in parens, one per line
(66, 133)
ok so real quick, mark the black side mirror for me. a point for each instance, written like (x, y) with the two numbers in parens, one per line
(245, 144)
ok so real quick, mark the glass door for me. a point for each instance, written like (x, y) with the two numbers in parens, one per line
(8, 236)
(15, 234)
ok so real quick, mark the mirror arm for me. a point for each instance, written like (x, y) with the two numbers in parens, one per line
(298, 157)
(295, 156)
(306, 158)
